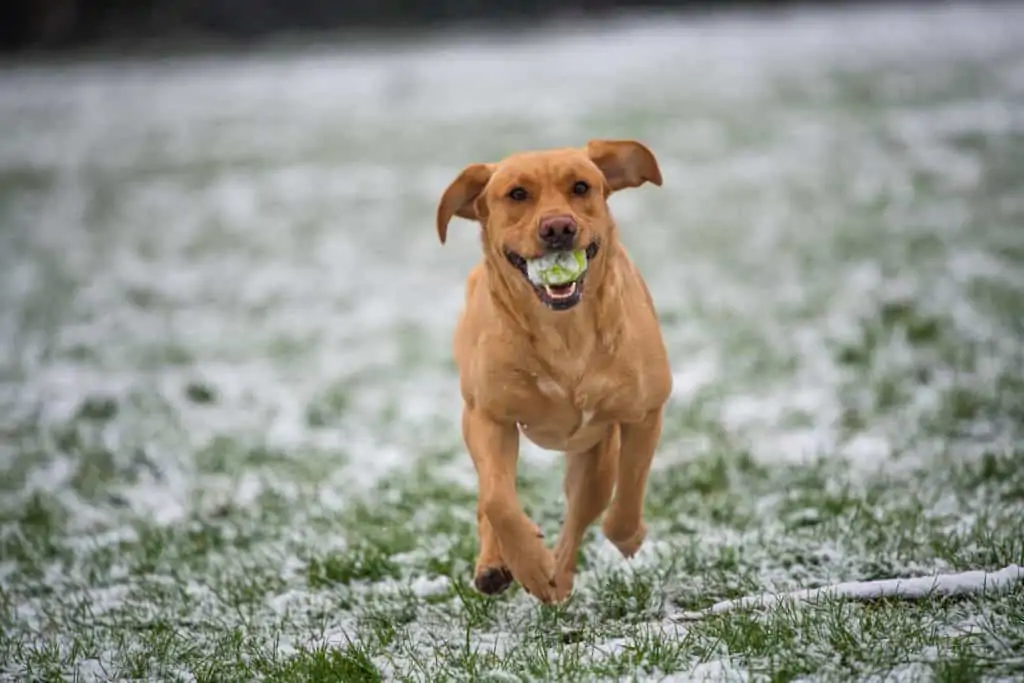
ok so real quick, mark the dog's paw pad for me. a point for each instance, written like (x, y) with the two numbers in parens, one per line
(493, 580)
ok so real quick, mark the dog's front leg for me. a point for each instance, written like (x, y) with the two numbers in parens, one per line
(623, 524)
(494, 448)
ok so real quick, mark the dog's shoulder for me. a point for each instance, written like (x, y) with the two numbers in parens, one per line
(488, 350)
(633, 332)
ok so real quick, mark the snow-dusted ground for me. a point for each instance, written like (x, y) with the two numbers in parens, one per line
(219, 275)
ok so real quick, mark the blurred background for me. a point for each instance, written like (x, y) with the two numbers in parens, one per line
(41, 24)
(226, 208)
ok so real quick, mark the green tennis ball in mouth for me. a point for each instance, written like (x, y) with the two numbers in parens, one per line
(557, 268)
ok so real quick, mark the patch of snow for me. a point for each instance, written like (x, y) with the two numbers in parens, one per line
(694, 375)
(964, 583)
(423, 586)
(867, 451)
(92, 670)
(718, 670)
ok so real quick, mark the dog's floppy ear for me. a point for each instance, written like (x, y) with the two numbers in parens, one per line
(460, 197)
(624, 163)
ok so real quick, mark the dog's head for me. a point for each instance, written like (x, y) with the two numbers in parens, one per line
(533, 203)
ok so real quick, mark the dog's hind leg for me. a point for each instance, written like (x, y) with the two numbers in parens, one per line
(623, 524)
(589, 478)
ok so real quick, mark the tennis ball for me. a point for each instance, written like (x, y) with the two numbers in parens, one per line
(557, 268)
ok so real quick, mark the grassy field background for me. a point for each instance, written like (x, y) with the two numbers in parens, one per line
(229, 444)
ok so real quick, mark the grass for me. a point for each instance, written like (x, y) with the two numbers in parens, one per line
(229, 435)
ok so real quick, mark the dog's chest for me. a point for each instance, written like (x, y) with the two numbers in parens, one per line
(567, 404)
(568, 412)
(583, 395)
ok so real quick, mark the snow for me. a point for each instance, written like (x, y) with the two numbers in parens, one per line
(940, 585)
(718, 670)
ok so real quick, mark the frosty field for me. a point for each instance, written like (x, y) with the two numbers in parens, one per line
(229, 419)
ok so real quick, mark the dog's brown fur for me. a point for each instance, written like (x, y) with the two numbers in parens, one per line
(590, 381)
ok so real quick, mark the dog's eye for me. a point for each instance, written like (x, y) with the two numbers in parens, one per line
(517, 194)
(580, 188)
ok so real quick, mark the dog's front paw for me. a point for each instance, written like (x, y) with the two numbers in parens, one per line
(626, 537)
(492, 580)
(533, 566)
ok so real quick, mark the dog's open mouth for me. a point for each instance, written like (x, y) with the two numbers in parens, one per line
(559, 292)
(557, 277)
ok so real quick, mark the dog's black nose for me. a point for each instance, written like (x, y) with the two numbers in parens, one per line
(558, 232)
